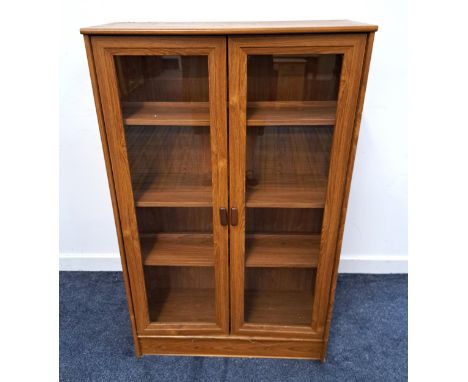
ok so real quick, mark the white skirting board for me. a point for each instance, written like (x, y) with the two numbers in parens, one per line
(348, 264)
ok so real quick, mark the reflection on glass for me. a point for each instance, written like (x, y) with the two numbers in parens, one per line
(293, 78)
(291, 112)
(165, 110)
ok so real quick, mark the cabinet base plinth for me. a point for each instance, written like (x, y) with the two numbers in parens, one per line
(232, 347)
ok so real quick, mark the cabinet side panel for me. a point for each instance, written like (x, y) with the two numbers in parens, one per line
(357, 124)
(341, 147)
(110, 178)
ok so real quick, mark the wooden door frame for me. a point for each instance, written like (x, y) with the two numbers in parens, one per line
(352, 47)
(103, 50)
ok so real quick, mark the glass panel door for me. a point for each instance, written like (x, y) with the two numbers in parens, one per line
(289, 98)
(291, 109)
(173, 151)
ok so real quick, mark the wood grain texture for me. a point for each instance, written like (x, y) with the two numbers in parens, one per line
(183, 306)
(170, 166)
(285, 113)
(178, 249)
(119, 161)
(352, 155)
(284, 220)
(293, 78)
(171, 310)
(280, 279)
(287, 167)
(110, 179)
(167, 78)
(219, 158)
(174, 220)
(350, 47)
(291, 113)
(347, 101)
(105, 49)
(237, 63)
(293, 128)
(269, 297)
(185, 196)
(280, 250)
(166, 113)
(286, 197)
(282, 308)
(232, 346)
(216, 28)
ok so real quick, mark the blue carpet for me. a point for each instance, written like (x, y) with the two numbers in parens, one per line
(368, 339)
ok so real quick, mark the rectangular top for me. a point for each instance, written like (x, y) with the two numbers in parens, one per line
(223, 28)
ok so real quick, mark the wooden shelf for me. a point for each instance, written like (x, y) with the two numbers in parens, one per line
(291, 113)
(182, 305)
(286, 197)
(287, 167)
(269, 307)
(173, 194)
(288, 251)
(178, 249)
(275, 113)
(170, 166)
(166, 113)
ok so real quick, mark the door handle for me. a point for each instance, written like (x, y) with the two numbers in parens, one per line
(223, 216)
(234, 216)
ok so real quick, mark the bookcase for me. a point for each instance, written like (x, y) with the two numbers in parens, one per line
(229, 150)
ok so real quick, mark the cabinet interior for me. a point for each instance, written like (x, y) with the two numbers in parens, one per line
(290, 118)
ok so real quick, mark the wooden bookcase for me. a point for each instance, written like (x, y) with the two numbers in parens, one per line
(229, 150)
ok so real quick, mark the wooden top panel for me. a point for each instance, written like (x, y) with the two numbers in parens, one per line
(217, 28)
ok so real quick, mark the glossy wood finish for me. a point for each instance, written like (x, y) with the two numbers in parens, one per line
(352, 155)
(296, 78)
(183, 305)
(258, 113)
(285, 246)
(230, 28)
(170, 166)
(105, 49)
(232, 346)
(166, 113)
(291, 113)
(351, 48)
(287, 167)
(174, 219)
(172, 310)
(280, 250)
(278, 308)
(279, 300)
(341, 146)
(181, 296)
(112, 190)
(178, 249)
(284, 220)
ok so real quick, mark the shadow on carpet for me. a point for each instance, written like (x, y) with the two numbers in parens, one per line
(368, 338)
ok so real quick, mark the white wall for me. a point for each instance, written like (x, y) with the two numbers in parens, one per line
(375, 237)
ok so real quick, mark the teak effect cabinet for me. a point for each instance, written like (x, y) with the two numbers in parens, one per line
(229, 150)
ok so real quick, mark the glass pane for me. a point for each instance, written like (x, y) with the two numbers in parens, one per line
(170, 165)
(180, 294)
(293, 78)
(291, 113)
(165, 109)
